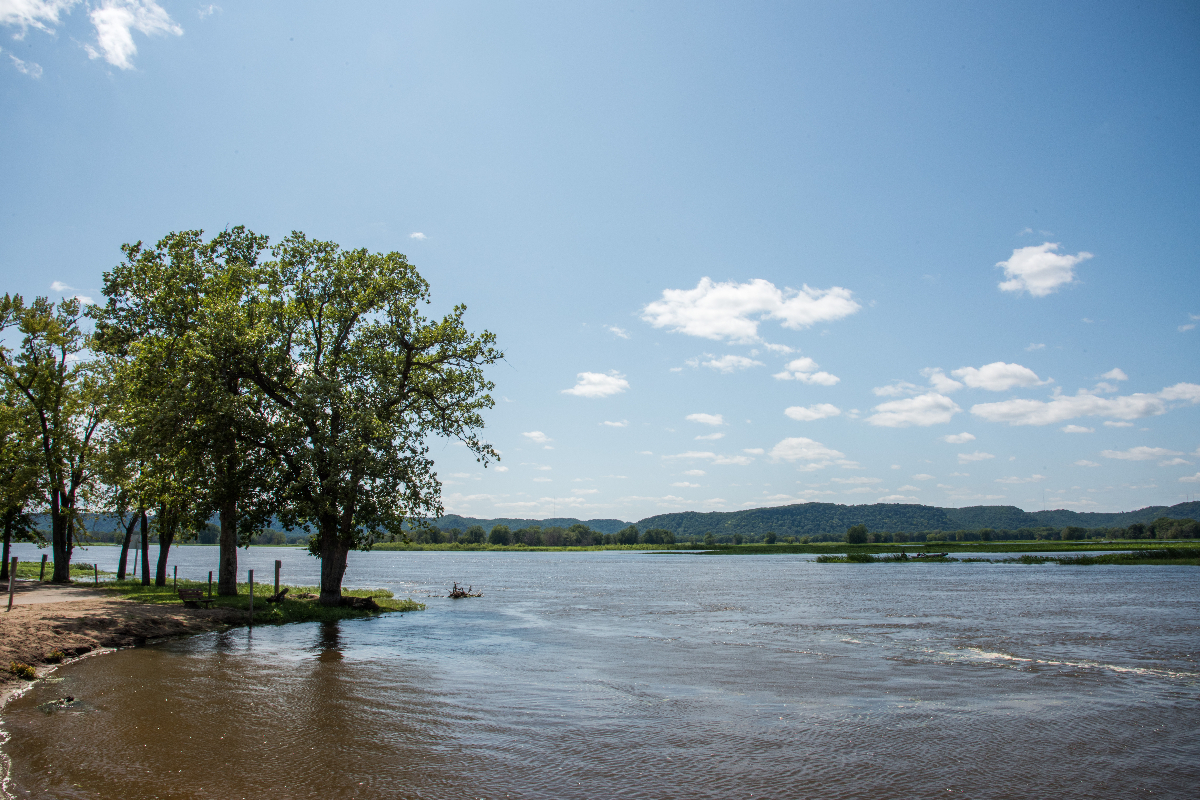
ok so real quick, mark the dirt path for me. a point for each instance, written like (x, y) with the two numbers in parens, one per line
(76, 620)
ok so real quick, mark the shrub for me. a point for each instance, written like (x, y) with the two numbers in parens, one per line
(54, 657)
(22, 670)
(856, 534)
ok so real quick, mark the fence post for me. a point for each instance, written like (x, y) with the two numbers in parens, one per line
(210, 584)
(42, 574)
(278, 566)
(12, 576)
(252, 598)
(175, 585)
(96, 573)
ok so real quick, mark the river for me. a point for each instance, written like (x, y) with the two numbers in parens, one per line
(623, 674)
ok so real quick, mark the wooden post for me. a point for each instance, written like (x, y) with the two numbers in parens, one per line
(251, 598)
(42, 575)
(135, 560)
(12, 576)
(175, 586)
(278, 566)
(210, 584)
(96, 573)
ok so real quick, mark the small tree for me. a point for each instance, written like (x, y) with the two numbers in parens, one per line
(856, 534)
(628, 535)
(500, 535)
(770, 537)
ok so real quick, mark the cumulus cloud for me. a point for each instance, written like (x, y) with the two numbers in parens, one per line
(1077, 429)
(1115, 374)
(622, 424)
(115, 21)
(1083, 462)
(501, 469)
(614, 330)
(958, 438)
(939, 381)
(1015, 479)
(1062, 408)
(706, 419)
(1140, 453)
(694, 472)
(597, 384)
(710, 437)
(713, 457)
(813, 412)
(1174, 462)
(537, 436)
(858, 480)
(733, 310)
(731, 363)
(978, 455)
(1039, 269)
(896, 498)
(418, 235)
(1190, 478)
(799, 448)
(805, 370)
(686, 485)
(922, 477)
(59, 286)
(998, 376)
(1111, 424)
(924, 410)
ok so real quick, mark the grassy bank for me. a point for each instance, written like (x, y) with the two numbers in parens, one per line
(1175, 556)
(1018, 546)
(298, 605)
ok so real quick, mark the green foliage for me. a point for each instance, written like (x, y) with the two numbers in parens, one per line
(22, 670)
(856, 534)
(628, 535)
(500, 535)
(770, 537)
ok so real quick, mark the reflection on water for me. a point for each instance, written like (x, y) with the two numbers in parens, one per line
(623, 675)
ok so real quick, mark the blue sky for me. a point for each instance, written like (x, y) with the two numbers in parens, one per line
(737, 254)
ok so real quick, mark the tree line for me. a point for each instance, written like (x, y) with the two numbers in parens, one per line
(224, 379)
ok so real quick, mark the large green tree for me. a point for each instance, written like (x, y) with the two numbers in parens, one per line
(51, 376)
(20, 473)
(177, 316)
(357, 381)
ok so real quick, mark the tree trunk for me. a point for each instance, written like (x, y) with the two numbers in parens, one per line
(227, 576)
(125, 546)
(7, 544)
(145, 549)
(334, 551)
(164, 547)
(58, 540)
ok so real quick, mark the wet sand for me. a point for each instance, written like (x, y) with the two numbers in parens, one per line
(77, 620)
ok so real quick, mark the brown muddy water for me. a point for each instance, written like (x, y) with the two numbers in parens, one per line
(604, 675)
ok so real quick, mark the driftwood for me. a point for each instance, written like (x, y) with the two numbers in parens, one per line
(361, 603)
(458, 591)
(275, 598)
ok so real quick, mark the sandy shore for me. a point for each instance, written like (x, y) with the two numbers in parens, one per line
(77, 620)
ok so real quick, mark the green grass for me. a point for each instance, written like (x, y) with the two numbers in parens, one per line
(1012, 546)
(1187, 556)
(30, 570)
(290, 610)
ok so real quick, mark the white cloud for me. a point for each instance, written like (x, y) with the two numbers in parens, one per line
(686, 485)
(1035, 346)
(730, 363)
(597, 384)
(754, 451)
(1083, 462)
(418, 236)
(896, 498)
(584, 491)
(1190, 478)
(804, 369)
(543, 480)
(59, 286)
(1115, 374)
(1077, 429)
(782, 349)
(978, 455)
(1039, 270)
(710, 437)
(1066, 407)
(858, 480)
(716, 459)
(958, 438)
(810, 413)
(924, 410)
(1111, 424)
(1174, 462)
(537, 436)
(1182, 328)
(909, 488)
(733, 310)
(624, 334)
(706, 419)
(998, 376)
(116, 19)
(922, 477)
(501, 469)
(622, 424)
(939, 381)
(40, 14)
(694, 472)
(34, 70)
(799, 448)
(1015, 479)
(1140, 453)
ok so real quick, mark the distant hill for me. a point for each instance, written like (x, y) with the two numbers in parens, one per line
(462, 523)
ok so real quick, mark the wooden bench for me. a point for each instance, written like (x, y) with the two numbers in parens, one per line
(194, 598)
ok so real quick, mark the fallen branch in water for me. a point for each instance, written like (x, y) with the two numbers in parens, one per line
(458, 591)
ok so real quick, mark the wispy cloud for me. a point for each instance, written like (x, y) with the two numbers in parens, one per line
(29, 68)
(706, 419)
(978, 455)
(597, 384)
(1140, 453)
(621, 424)
(1039, 269)
(732, 311)
(728, 363)
(614, 330)
(1062, 408)
(1077, 429)
(115, 21)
